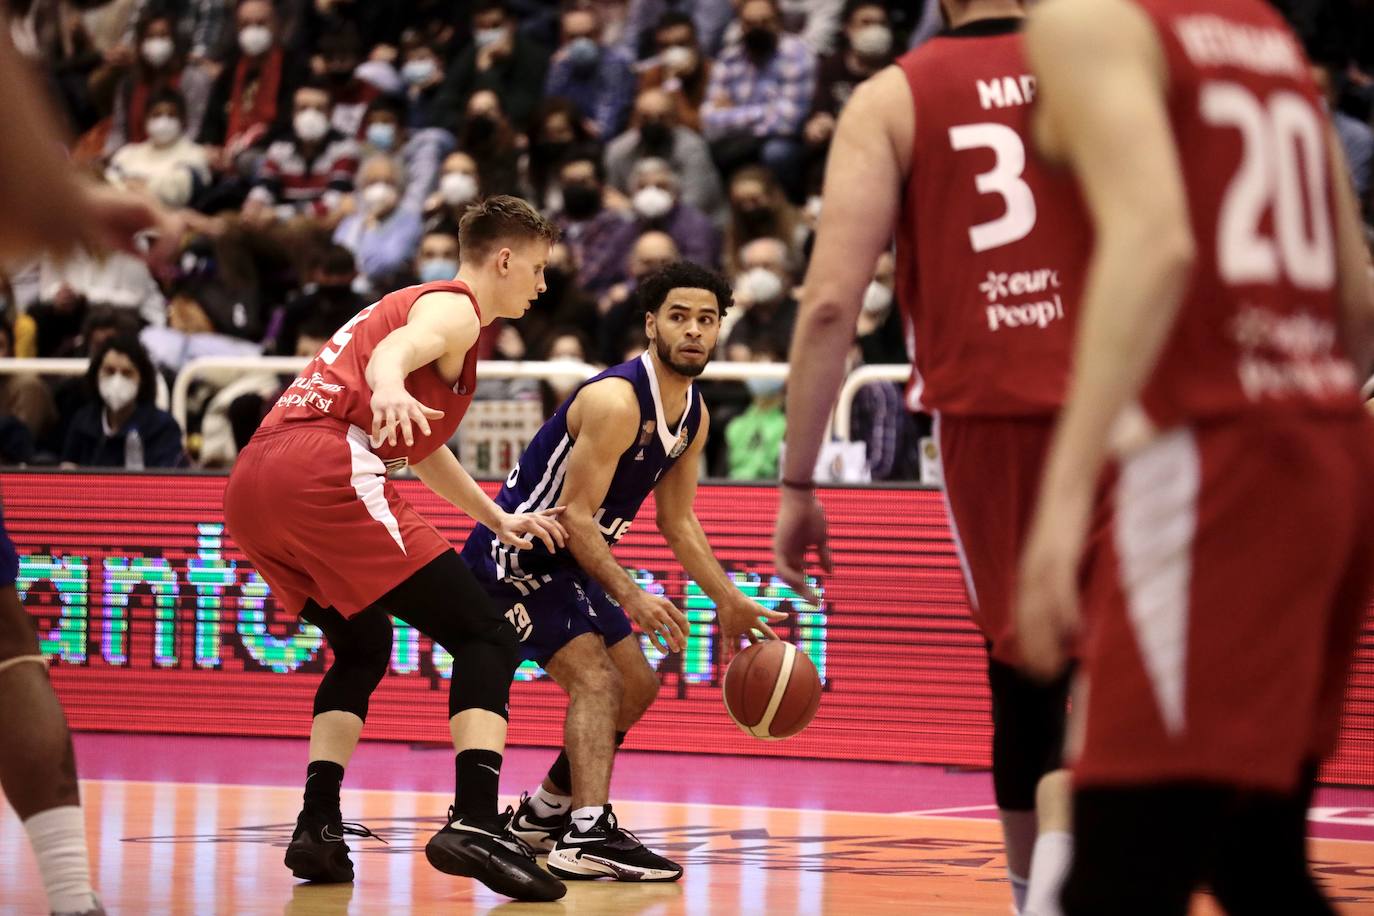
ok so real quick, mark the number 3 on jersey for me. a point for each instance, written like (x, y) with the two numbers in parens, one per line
(1283, 162)
(1004, 178)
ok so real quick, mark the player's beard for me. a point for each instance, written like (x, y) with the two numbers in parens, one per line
(665, 356)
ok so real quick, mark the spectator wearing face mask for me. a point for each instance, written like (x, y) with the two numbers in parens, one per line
(338, 54)
(592, 229)
(490, 139)
(759, 96)
(120, 426)
(422, 71)
(707, 18)
(460, 185)
(763, 290)
(678, 67)
(420, 152)
(558, 129)
(200, 27)
(498, 59)
(158, 66)
(562, 345)
(753, 439)
(866, 48)
(168, 164)
(327, 298)
(651, 251)
(656, 134)
(595, 78)
(758, 210)
(880, 335)
(381, 234)
(312, 166)
(254, 91)
(437, 258)
(655, 195)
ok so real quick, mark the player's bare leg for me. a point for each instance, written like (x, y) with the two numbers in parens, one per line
(37, 765)
(1053, 847)
(639, 681)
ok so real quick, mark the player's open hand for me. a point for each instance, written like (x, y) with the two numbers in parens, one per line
(660, 620)
(801, 526)
(521, 530)
(742, 618)
(132, 222)
(1047, 617)
(395, 412)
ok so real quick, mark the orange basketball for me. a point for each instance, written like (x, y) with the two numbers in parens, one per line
(772, 690)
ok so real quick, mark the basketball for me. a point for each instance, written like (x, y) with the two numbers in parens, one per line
(772, 690)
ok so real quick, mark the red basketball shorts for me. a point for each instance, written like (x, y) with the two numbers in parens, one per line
(310, 506)
(1223, 602)
(992, 468)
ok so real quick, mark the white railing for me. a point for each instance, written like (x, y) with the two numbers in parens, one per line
(227, 368)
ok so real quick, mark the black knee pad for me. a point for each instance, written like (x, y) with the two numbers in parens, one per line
(362, 652)
(1027, 733)
(483, 667)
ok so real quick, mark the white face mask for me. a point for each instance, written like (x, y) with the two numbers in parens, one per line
(877, 298)
(310, 124)
(760, 285)
(379, 197)
(457, 188)
(872, 41)
(157, 51)
(117, 391)
(255, 39)
(487, 37)
(678, 59)
(164, 130)
(651, 203)
(418, 71)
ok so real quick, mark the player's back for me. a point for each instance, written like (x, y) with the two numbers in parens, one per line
(536, 482)
(333, 387)
(991, 239)
(1258, 325)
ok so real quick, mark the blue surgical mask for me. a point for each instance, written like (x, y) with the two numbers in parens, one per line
(435, 269)
(382, 135)
(418, 71)
(583, 53)
(763, 387)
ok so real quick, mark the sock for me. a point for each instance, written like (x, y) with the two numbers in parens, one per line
(584, 818)
(322, 781)
(58, 838)
(547, 804)
(1049, 868)
(478, 774)
(1018, 890)
(560, 774)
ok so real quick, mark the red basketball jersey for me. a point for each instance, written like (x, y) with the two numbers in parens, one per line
(1258, 325)
(334, 385)
(991, 240)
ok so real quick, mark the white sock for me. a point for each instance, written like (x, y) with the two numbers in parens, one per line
(547, 804)
(1049, 867)
(1018, 890)
(58, 838)
(583, 818)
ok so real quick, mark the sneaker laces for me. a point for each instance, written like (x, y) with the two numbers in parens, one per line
(352, 829)
(502, 832)
(613, 827)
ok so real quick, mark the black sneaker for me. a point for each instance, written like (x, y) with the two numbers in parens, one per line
(485, 849)
(539, 833)
(318, 851)
(607, 851)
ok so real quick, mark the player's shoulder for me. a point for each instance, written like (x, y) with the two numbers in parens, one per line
(607, 412)
(876, 94)
(1076, 26)
(451, 309)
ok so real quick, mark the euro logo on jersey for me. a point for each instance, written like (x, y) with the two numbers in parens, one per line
(680, 446)
(646, 433)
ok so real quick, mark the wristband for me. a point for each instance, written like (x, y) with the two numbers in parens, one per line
(807, 485)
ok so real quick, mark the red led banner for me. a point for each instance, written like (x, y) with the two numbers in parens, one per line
(156, 623)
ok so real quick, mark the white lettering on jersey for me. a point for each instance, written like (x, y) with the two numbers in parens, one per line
(1006, 91)
(1211, 41)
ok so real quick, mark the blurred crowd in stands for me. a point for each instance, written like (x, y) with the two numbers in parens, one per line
(323, 151)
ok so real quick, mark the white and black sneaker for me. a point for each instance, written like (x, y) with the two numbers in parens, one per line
(539, 833)
(485, 849)
(607, 851)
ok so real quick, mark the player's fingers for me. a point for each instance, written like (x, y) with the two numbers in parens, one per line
(417, 413)
(763, 629)
(539, 531)
(389, 430)
(775, 616)
(555, 511)
(516, 540)
(430, 412)
(802, 586)
(555, 528)
(823, 551)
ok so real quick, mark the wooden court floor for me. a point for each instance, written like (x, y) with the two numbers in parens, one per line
(165, 847)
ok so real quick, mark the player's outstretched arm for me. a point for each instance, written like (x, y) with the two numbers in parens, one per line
(446, 476)
(1354, 272)
(604, 421)
(868, 162)
(1101, 78)
(675, 498)
(440, 325)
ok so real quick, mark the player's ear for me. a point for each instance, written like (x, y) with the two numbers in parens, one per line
(503, 261)
(650, 324)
